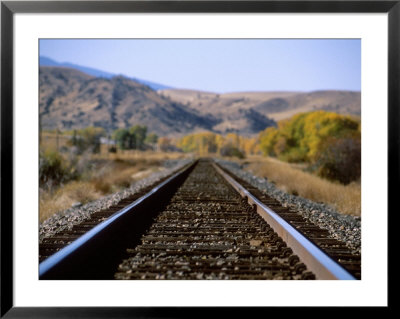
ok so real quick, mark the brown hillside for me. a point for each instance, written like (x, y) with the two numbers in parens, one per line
(275, 105)
(70, 99)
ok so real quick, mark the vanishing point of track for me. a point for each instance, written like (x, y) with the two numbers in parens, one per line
(201, 223)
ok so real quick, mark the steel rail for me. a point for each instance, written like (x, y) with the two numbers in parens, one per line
(68, 251)
(317, 261)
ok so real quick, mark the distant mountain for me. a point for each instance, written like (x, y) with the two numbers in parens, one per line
(71, 99)
(45, 61)
(274, 105)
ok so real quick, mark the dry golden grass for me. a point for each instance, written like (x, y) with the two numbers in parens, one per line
(290, 178)
(64, 197)
(113, 172)
(117, 174)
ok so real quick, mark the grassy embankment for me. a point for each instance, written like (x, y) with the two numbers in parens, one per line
(292, 179)
(99, 175)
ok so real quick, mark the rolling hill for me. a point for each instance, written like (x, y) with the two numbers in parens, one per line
(274, 105)
(70, 99)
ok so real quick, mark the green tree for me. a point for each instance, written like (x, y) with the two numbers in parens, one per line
(122, 138)
(137, 136)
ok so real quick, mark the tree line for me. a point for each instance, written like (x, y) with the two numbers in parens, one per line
(328, 142)
(212, 143)
(135, 137)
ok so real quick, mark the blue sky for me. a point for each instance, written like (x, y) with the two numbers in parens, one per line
(221, 65)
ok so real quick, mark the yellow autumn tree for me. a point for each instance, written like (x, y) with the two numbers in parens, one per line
(205, 143)
(330, 142)
(268, 139)
(202, 143)
(302, 137)
(249, 145)
(321, 125)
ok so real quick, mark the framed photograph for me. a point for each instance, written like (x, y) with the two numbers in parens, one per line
(335, 61)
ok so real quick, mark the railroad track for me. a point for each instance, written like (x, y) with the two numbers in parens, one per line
(201, 223)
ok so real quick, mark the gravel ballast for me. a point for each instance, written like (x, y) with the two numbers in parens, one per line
(344, 228)
(65, 220)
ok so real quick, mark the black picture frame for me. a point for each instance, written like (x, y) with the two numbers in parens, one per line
(9, 8)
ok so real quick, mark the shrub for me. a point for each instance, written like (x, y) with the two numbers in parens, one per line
(53, 169)
(340, 160)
